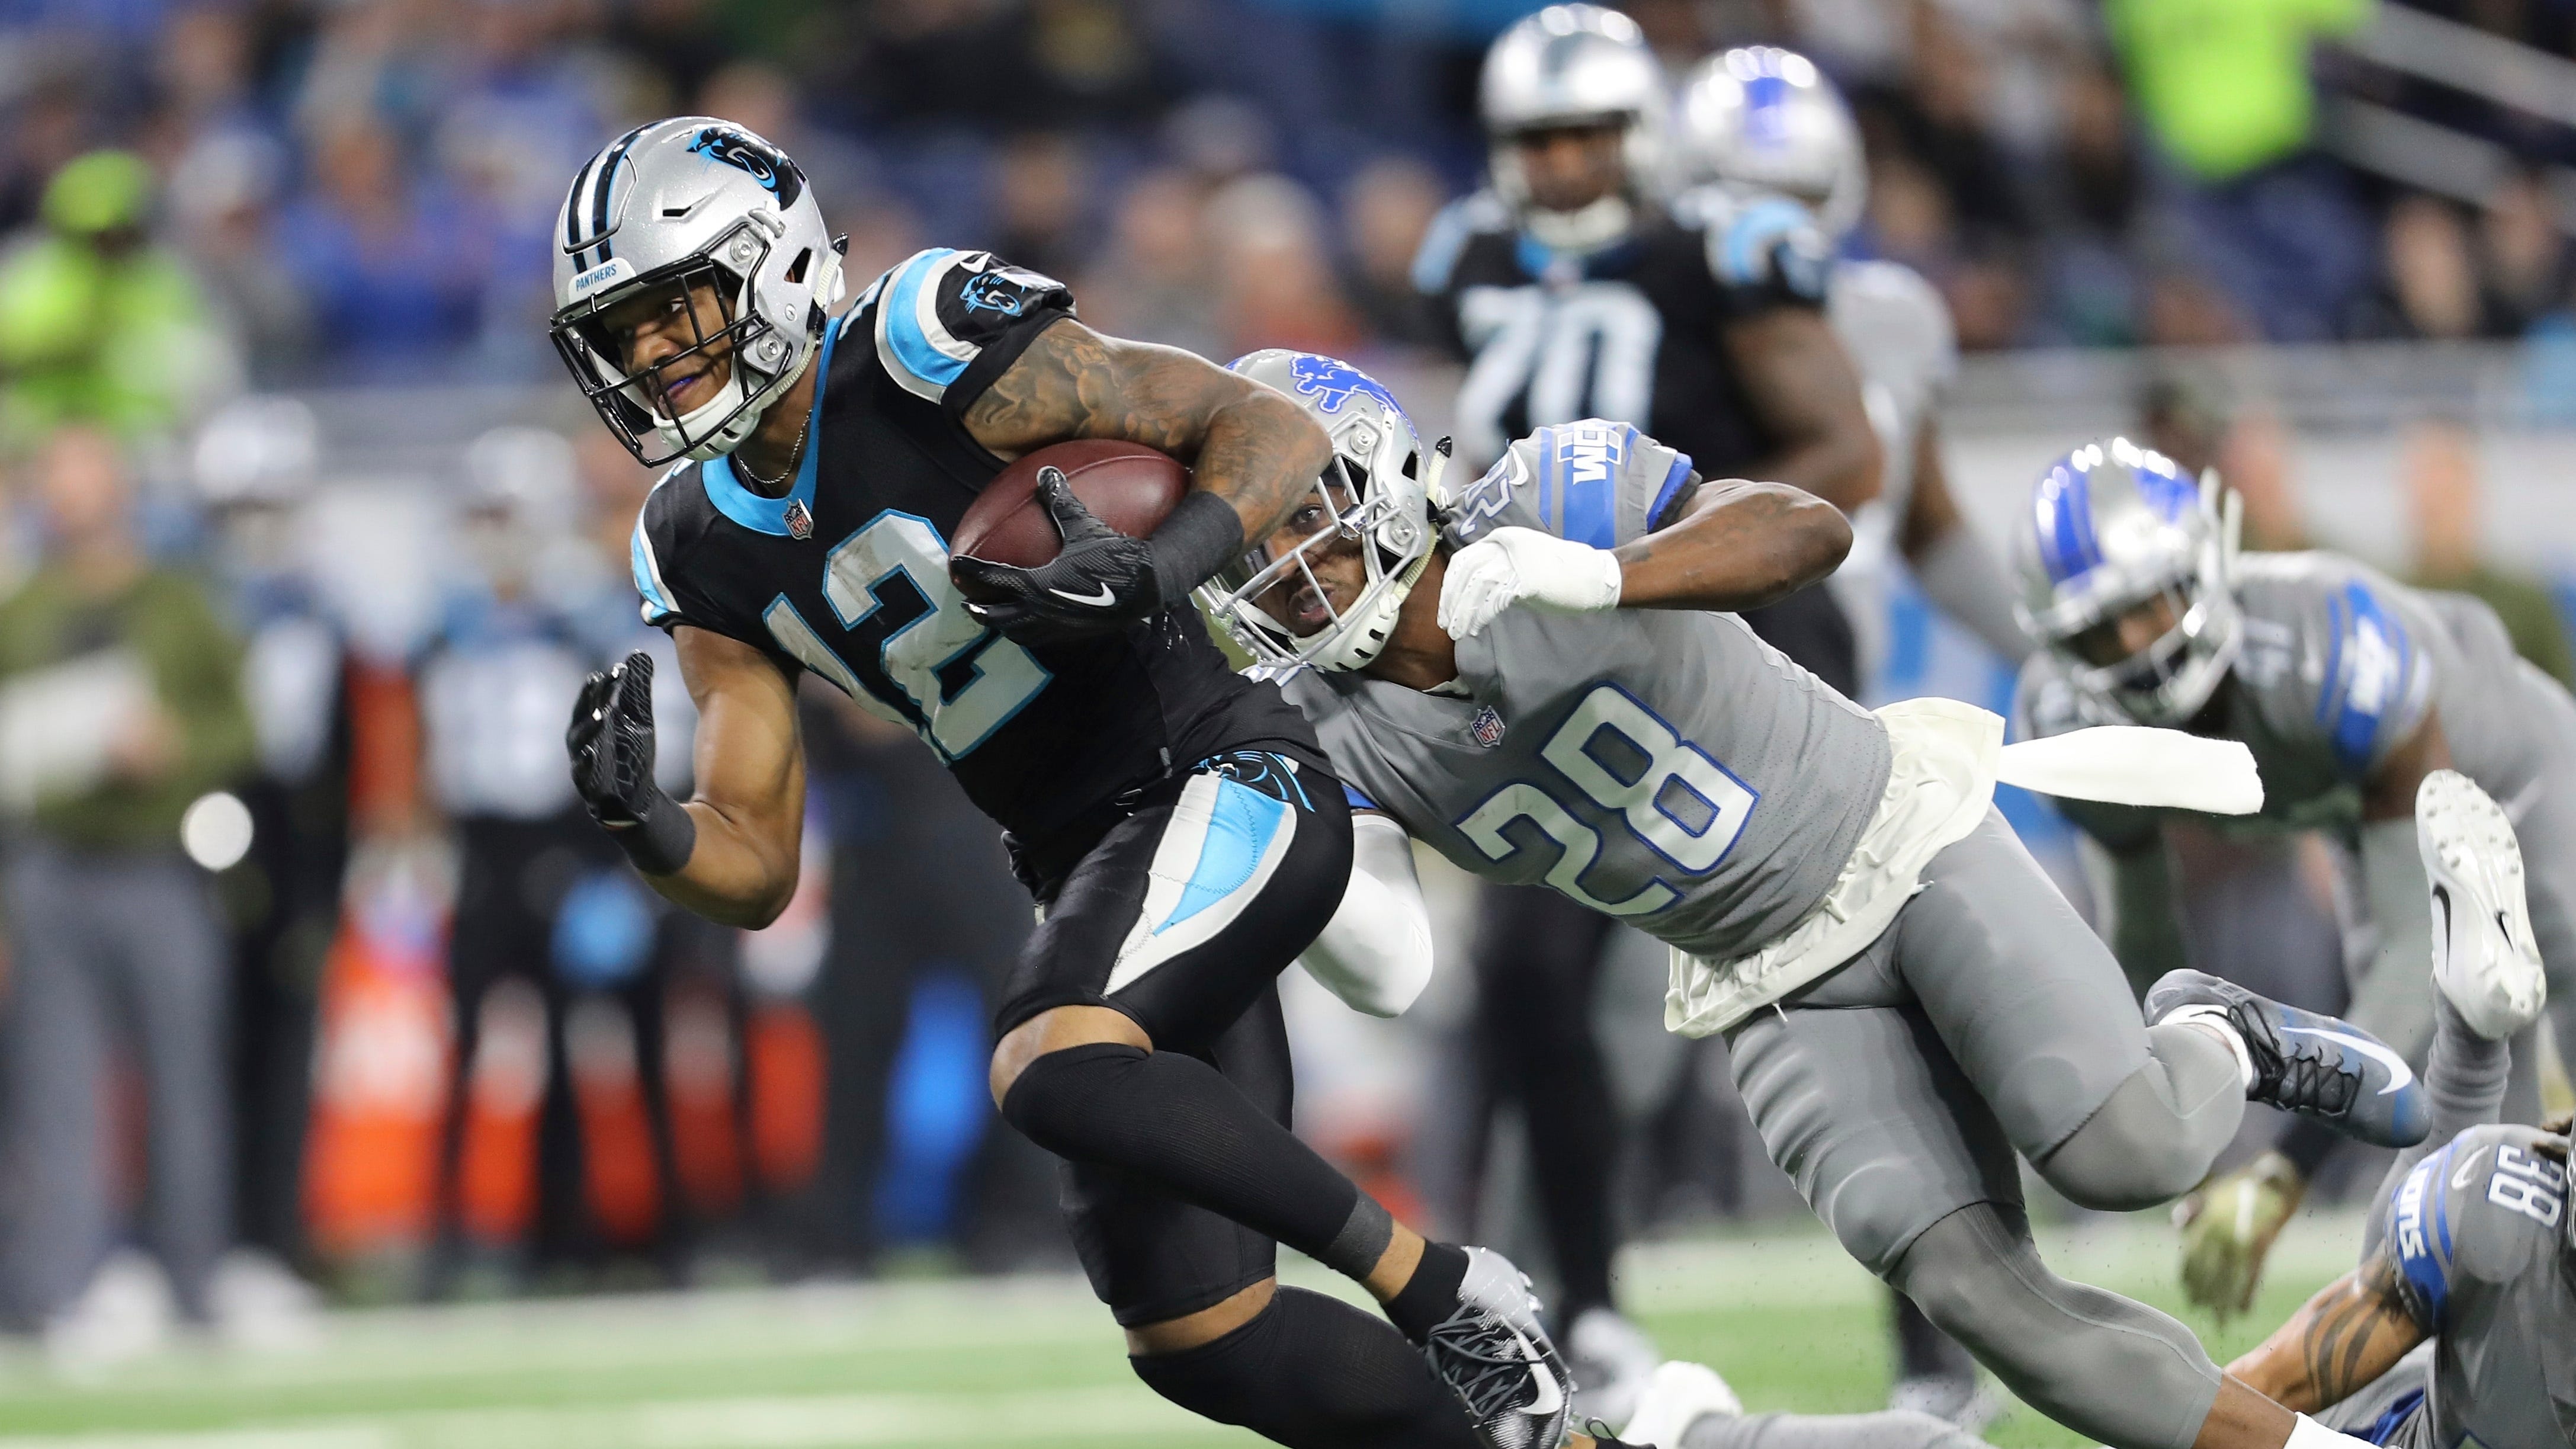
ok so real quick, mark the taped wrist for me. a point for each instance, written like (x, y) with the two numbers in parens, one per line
(1200, 536)
(662, 837)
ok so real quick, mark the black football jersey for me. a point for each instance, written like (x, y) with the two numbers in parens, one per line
(847, 574)
(1629, 333)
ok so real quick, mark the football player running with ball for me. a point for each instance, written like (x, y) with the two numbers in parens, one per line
(1175, 822)
(2349, 689)
(2459, 1327)
(1908, 1001)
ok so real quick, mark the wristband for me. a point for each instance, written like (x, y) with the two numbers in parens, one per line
(1200, 535)
(662, 837)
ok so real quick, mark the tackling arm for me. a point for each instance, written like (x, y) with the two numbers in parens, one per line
(1375, 954)
(1955, 567)
(1804, 390)
(1732, 545)
(749, 805)
(2354, 1330)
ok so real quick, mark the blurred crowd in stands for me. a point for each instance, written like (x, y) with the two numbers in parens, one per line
(405, 1005)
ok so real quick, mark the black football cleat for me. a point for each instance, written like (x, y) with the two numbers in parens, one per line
(2306, 1062)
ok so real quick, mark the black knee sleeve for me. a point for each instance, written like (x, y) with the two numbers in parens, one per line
(1314, 1371)
(1176, 1122)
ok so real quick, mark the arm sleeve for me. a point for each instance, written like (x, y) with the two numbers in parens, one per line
(1963, 576)
(1766, 252)
(1590, 482)
(1375, 954)
(949, 322)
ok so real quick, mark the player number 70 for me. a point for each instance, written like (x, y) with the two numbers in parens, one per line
(1685, 807)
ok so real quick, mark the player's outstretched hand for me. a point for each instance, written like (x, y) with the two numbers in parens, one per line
(611, 743)
(1510, 565)
(1101, 582)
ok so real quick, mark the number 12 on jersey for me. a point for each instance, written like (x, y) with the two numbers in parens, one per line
(1686, 808)
(939, 672)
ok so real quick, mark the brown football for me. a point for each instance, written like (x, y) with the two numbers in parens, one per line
(1126, 485)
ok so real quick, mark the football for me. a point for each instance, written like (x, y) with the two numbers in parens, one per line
(1126, 485)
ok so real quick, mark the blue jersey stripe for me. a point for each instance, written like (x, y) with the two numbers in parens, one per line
(1664, 495)
(2354, 722)
(1358, 801)
(2417, 1257)
(901, 318)
(657, 604)
(1588, 513)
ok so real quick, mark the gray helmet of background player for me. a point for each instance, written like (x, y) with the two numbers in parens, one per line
(1379, 487)
(2112, 526)
(1573, 66)
(1766, 117)
(684, 202)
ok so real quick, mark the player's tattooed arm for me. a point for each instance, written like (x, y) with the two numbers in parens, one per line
(2354, 1330)
(1732, 545)
(1807, 396)
(749, 805)
(1245, 443)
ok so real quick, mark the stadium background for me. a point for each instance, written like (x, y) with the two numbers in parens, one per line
(290, 258)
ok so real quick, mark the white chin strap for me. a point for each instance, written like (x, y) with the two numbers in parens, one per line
(1584, 229)
(725, 439)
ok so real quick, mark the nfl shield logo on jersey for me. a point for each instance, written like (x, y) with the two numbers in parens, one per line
(800, 522)
(1487, 727)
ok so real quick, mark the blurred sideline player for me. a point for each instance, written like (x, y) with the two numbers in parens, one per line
(1175, 821)
(2349, 688)
(2459, 1326)
(1571, 291)
(1909, 1003)
(1764, 118)
(1761, 118)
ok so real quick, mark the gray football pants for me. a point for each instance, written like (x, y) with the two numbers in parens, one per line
(1990, 1021)
(110, 951)
(1836, 1431)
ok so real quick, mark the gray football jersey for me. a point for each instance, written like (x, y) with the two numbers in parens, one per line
(2340, 666)
(1897, 330)
(1663, 766)
(2478, 1235)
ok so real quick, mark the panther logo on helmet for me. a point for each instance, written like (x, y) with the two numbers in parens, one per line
(768, 167)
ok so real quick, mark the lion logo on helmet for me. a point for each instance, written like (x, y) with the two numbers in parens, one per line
(766, 164)
(1331, 383)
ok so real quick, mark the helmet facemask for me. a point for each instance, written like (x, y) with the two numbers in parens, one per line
(636, 405)
(1393, 544)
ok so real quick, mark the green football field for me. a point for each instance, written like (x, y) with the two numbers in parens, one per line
(993, 1363)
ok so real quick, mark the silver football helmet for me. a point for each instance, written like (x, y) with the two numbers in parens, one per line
(2114, 527)
(1377, 491)
(1762, 116)
(1575, 65)
(671, 207)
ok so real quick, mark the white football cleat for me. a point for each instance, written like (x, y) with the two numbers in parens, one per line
(1494, 1355)
(2484, 958)
(1612, 1359)
(1678, 1395)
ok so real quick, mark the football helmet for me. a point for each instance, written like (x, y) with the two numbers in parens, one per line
(1762, 116)
(1378, 490)
(1575, 65)
(679, 204)
(2112, 526)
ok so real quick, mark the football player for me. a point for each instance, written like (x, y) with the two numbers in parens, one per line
(2459, 1327)
(1176, 823)
(1571, 290)
(1759, 117)
(1545, 681)
(2348, 688)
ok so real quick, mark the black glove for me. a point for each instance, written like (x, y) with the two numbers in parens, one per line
(1102, 582)
(611, 742)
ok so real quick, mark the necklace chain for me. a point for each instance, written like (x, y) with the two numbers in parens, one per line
(795, 455)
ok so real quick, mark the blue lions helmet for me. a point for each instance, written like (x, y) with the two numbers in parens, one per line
(1376, 492)
(2114, 529)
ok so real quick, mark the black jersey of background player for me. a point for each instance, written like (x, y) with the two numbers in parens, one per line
(847, 575)
(1629, 332)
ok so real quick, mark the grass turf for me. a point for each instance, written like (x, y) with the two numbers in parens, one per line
(1790, 1321)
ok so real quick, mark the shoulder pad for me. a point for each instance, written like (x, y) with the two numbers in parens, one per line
(1448, 235)
(939, 310)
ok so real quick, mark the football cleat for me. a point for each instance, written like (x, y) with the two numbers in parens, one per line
(2229, 1224)
(2304, 1061)
(1676, 1396)
(1493, 1354)
(2484, 958)
(1612, 1360)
